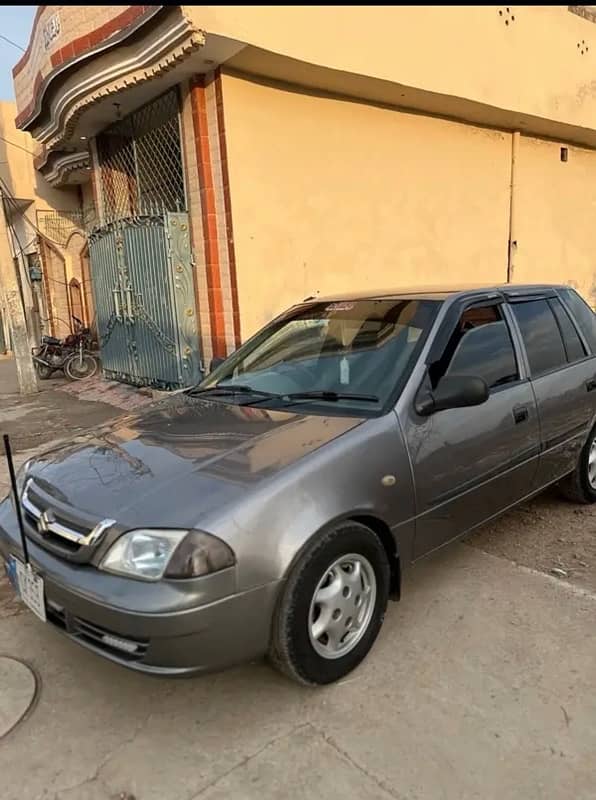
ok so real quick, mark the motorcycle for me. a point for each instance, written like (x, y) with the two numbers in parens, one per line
(71, 354)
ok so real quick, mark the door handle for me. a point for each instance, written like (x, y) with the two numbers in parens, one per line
(520, 414)
(117, 310)
(129, 313)
(591, 384)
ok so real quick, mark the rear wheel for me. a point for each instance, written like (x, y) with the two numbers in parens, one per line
(580, 486)
(80, 365)
(332, 607)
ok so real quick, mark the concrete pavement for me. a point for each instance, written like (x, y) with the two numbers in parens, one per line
(482, 685)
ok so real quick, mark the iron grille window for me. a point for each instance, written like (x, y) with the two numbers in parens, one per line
(140, 161)
(59, 225)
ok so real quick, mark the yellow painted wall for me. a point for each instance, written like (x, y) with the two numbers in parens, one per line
(526, 61)
(23, 180)
(329, 196)
(16, 150)
(556, 216)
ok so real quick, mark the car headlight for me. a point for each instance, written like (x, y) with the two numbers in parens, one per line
(153, 554)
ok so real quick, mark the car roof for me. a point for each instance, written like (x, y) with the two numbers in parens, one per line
(440, 292)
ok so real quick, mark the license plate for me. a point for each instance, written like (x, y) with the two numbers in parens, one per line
(29, 585)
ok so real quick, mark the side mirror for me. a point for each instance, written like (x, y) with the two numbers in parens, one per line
(215, 362)
(453, 391)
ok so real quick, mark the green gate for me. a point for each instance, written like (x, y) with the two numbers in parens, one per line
(140, 256)
(144, 300)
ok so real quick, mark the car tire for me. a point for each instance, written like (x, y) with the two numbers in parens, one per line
(350, 562)
(578, 487)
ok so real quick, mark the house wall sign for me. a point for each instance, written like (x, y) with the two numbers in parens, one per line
(51, 30)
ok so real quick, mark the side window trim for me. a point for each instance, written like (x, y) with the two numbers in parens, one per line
(580, 333)
(519, 347)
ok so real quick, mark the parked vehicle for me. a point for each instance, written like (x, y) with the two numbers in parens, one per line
(72, 354)
(273, 508)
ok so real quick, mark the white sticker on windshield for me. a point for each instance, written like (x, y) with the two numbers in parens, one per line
(340, 307)
(344, 372)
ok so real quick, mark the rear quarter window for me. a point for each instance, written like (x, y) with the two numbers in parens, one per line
(573, 344)
(583, 315)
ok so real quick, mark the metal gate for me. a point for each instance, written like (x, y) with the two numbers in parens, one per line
(140, 257)
(144, 299)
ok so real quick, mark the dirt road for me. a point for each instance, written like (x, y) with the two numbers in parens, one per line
(547, 534)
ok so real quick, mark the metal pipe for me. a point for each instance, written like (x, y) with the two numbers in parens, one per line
(512, 242)
(15, 493)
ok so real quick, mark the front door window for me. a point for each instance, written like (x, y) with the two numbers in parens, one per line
(480, 346)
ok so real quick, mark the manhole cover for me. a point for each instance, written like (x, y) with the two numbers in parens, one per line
(18, 689)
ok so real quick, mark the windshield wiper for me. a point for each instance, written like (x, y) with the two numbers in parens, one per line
(330, 396)
(326, 396)
(223, 389)
(220, 390)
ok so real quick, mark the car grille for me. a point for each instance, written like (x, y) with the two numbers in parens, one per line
(32, 518)
(57, 532)
(115, 644)
(63, 531)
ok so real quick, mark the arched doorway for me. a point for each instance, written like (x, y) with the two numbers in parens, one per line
(76, 300)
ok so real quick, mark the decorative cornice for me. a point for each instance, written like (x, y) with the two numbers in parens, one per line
(587, 12)
(63, 165)
(159, 55)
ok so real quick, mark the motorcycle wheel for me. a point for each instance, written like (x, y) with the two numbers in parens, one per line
(43, 371)
(79, 366)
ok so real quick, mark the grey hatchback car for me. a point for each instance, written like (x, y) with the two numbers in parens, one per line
(272, 508)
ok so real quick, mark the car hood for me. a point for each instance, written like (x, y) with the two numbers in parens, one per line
(178, 460)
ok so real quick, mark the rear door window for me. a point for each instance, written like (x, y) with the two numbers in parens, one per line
(584, 316)
(541, 335)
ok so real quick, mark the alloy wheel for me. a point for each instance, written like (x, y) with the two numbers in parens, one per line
(342, 606)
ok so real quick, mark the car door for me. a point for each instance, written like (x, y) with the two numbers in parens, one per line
(470, 463)
(563, 374)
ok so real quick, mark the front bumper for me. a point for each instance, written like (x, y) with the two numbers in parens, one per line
(164, 628)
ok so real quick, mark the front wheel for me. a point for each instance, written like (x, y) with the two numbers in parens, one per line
(80, 365)
(332, 606)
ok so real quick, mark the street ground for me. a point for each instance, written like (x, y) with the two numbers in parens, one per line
(8, 375)
(481, 685)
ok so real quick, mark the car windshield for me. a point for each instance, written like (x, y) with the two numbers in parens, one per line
(354, 355)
